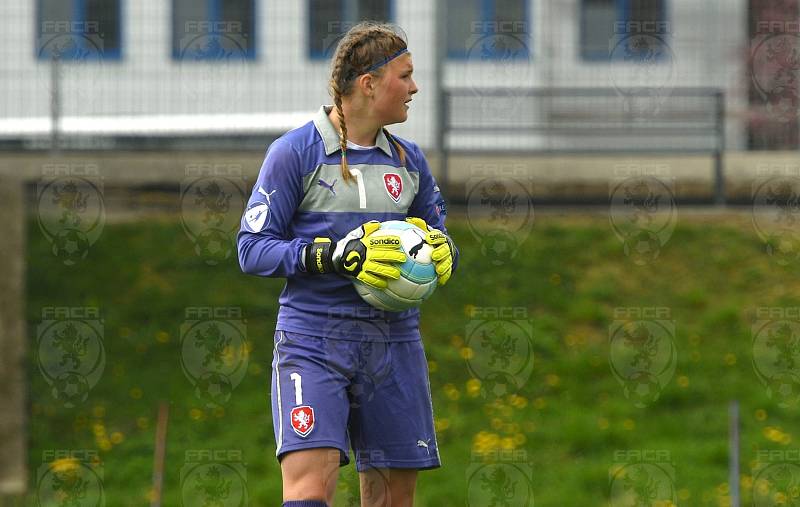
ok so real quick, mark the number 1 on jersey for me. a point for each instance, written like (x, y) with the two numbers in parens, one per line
(298, 388)
(362, 191)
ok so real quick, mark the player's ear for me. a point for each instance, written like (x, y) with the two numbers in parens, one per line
(366, 83)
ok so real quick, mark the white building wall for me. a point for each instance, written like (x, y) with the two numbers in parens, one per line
(708, 42)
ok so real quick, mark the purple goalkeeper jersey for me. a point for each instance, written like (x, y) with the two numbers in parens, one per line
(300, 195)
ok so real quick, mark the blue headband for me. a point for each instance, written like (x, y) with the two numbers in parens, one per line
(386, 60)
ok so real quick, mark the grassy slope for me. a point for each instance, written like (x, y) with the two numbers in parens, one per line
(571, 416)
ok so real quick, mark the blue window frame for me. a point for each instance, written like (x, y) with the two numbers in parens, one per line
(488, 29)
(78, 30)
(604, 23)
(328, 20)
(204, 30)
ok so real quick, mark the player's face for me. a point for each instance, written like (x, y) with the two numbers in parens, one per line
(393, 91)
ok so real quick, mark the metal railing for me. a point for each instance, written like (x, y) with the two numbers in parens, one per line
(524, 122)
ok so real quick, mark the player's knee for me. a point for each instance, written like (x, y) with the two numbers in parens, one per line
(308, 491)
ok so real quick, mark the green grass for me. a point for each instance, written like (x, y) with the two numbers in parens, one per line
(565, 428)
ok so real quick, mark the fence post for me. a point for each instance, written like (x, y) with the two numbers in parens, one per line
(13, 341)
(55, 104)
(719, 154)
(440, 42)
(733, 458)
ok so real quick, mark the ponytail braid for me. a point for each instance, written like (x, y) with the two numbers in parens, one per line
(400, 151)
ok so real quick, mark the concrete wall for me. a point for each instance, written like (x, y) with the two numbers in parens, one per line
(561, 176)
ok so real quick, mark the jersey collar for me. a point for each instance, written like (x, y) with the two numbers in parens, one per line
(330, 137)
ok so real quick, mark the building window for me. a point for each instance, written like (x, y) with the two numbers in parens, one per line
(604, 24)
(213, 30)
(78, 29)
(330, 19)
(488, 29)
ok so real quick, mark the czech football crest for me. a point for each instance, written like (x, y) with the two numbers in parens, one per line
(303, 420)
(394, 185)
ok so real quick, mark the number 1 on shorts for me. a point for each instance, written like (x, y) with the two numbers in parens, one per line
(298, 388)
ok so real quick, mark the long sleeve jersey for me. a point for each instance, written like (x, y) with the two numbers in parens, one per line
(300, 194)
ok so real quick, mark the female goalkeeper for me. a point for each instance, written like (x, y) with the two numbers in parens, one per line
(343, 373)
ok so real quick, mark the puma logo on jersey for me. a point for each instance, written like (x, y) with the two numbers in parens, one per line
(325, 184)
(265, 194)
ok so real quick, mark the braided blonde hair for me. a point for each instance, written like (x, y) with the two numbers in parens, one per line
(360, 48)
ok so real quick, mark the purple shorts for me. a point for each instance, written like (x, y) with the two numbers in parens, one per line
(374, 395)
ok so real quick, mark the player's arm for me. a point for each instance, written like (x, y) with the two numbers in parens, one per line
(361, 255)
(428, 211)
(264, 248)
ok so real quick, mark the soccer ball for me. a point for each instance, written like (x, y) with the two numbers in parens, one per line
(71, 246)
(642, 388)
(642, 247)
(784, 388)
(214, 246)
(500, 246)
(498, 384)
(71, 388)
(213, 388)
(418, 277)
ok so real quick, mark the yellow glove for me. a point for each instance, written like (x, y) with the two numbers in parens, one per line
(443, 249)
(358, 254)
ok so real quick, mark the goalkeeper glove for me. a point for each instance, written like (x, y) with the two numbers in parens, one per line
(443, 249)
(368, 259)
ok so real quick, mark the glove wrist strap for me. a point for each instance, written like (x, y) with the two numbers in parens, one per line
(318, 257)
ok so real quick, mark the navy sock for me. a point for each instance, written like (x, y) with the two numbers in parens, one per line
(304, 503)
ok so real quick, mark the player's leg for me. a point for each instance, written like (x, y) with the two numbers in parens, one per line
(309, 415)
(391, 423)
(310, 474)
(388, 487)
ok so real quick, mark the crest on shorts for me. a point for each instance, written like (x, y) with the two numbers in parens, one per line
(303, 420)
(394, 185)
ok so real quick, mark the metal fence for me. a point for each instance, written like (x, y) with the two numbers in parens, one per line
(527, 122)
